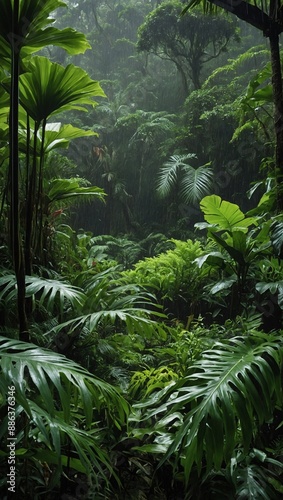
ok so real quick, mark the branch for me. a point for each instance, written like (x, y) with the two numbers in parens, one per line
(251, 14)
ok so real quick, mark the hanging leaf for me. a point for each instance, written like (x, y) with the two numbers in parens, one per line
(276, 236)
(61, 189)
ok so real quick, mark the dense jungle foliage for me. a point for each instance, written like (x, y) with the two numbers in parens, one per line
(141, 217)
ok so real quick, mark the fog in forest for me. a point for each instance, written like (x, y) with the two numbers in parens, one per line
(141, 247)
(175, 98)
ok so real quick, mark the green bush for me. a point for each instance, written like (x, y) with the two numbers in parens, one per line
(174, 277)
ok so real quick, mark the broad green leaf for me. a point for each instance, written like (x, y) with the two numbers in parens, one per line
(224, 284)
(237, 255)
(69, 39)
(61, 189)
(32, 32)
(212, 259)
(59, 135)
(226, 215)
(232, 387)
(52, 373)
(48, 88)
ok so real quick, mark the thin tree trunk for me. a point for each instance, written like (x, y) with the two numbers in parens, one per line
(278, 112)
(16, 240)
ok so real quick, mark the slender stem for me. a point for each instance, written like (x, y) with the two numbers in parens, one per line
(278, 112)
(30, 206)
(16, 241)
(39, 201)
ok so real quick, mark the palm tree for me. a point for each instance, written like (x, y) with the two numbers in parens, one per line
(24, 29)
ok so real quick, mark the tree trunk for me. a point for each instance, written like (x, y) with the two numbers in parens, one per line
(16, 241)
(278, 112)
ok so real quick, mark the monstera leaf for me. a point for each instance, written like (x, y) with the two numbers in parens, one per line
(232, 390)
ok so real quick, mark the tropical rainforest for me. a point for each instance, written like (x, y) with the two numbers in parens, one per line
(141, 227)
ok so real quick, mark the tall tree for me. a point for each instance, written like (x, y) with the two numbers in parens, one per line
(24, 29)
(267, 19)
(189, 42)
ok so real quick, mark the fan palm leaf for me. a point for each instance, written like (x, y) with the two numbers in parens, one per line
(192, 183)
(236, 385)
(48, 88)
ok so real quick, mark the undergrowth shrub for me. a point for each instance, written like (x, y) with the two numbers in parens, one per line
(174, 277)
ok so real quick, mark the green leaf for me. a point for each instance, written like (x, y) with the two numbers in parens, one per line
(50, 374)
(276, 236)
(212, 259)
(48, 88)
(224, 284)
(69, 39)
(226, 215)
(61, 189)
(234, 386)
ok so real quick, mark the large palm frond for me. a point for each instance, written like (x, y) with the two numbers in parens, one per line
(54, 393)
(48, 291)
(48, 88)
(112, 303)
(234, 387)
(169, 173)
(52, 374)
(196, 183)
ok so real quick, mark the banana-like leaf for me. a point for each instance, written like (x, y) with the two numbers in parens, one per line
(62, 189)
(235, 386)
(226, 215)
(48, 88)
(212, 259)
(224, 284)
(54, 377)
